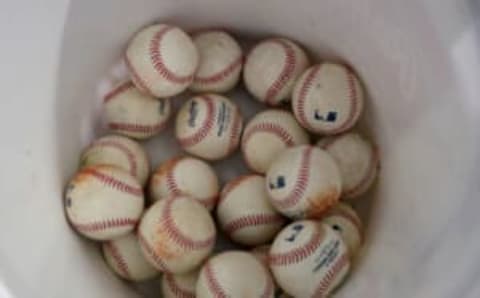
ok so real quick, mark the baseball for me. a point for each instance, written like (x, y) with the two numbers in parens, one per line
(186, 176)
(328, 99)
(267, 134)
(245, 213)
(357, 160)
(177, 234)
(162, 60)
(103, 202)
(133, 114)
(179, 285)
(343, 219)
(118, 151)
(309, 259)
(125, 258)
(220, 62)
(304, 182)
(271, 69)
(209, 126)
(234, 274)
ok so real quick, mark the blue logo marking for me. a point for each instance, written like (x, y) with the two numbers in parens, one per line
(330, 117)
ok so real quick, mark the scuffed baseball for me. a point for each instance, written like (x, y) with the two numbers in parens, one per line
(103, 202)
(179, 285)
(267, 134)
(245, 213)
(304, 182)
(125, 258)
(309, 259)
(133, 114)
(118, 151)
(186, 176)
(234, 274)
(209, 126)
(271, 69)
(177, 234)
(220, 62)
(162, 60)
(344, 220)
(357, 160)
(328, 99)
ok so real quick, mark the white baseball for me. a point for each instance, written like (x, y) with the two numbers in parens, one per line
(234, 274)
(118, 151)
(267, 134)
(328, 99)
(357, 160)
(304, 182)
(220, 62)
(209, 126)
(186, 176)
(309, 259)
(179, 285)
(103, 202)
(125, 258)
(133, 114)
(177, 234)
(271, 69)
(245, 213)
(162, 60)
(343, 219)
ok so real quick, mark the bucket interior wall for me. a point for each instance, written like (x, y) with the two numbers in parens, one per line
(419, 63)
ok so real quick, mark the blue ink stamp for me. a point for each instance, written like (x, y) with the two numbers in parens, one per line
(193, 113)
(279, 183)
(297, 228)
(330, 117)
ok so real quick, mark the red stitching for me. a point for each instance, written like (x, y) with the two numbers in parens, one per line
(269, 287)
(326, 282)
(298, 254)
(117, 257)
(300, 185)
(300, 106)
(177, 236)
(176, 289)
(228, 188)
(114, 182)
(236, 131)
(273, 128)
(370, 172)
(206, 126)
(137, 128)
(221, 75)
(252, 220)
(212, 282)
(124, 149)
(135, 76)
(104, 225)
(285, 74)
(151, 253)
(170, 179)
(157, 59)
(116, 91)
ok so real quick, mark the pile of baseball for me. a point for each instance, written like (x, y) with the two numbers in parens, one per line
(295, 237)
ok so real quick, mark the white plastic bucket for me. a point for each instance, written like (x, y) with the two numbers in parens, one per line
(421, 65)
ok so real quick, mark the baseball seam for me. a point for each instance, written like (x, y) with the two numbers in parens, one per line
(147, 129)
(114, 183)
(220, 75)
(122, 148)
(269, 286)
(298, 254)
(206, 126)
(151, 253)
(212, 282)
(118, 90)
(286, 73)
(176, 289)
(118, 258)
(104, 224)
(326, 281)
(236, 131)
(174, 233)
(158, 62)
(300, 102)
(273, 128)
(300, 184)
(230, 186)
(252, 220)
(135, 76)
